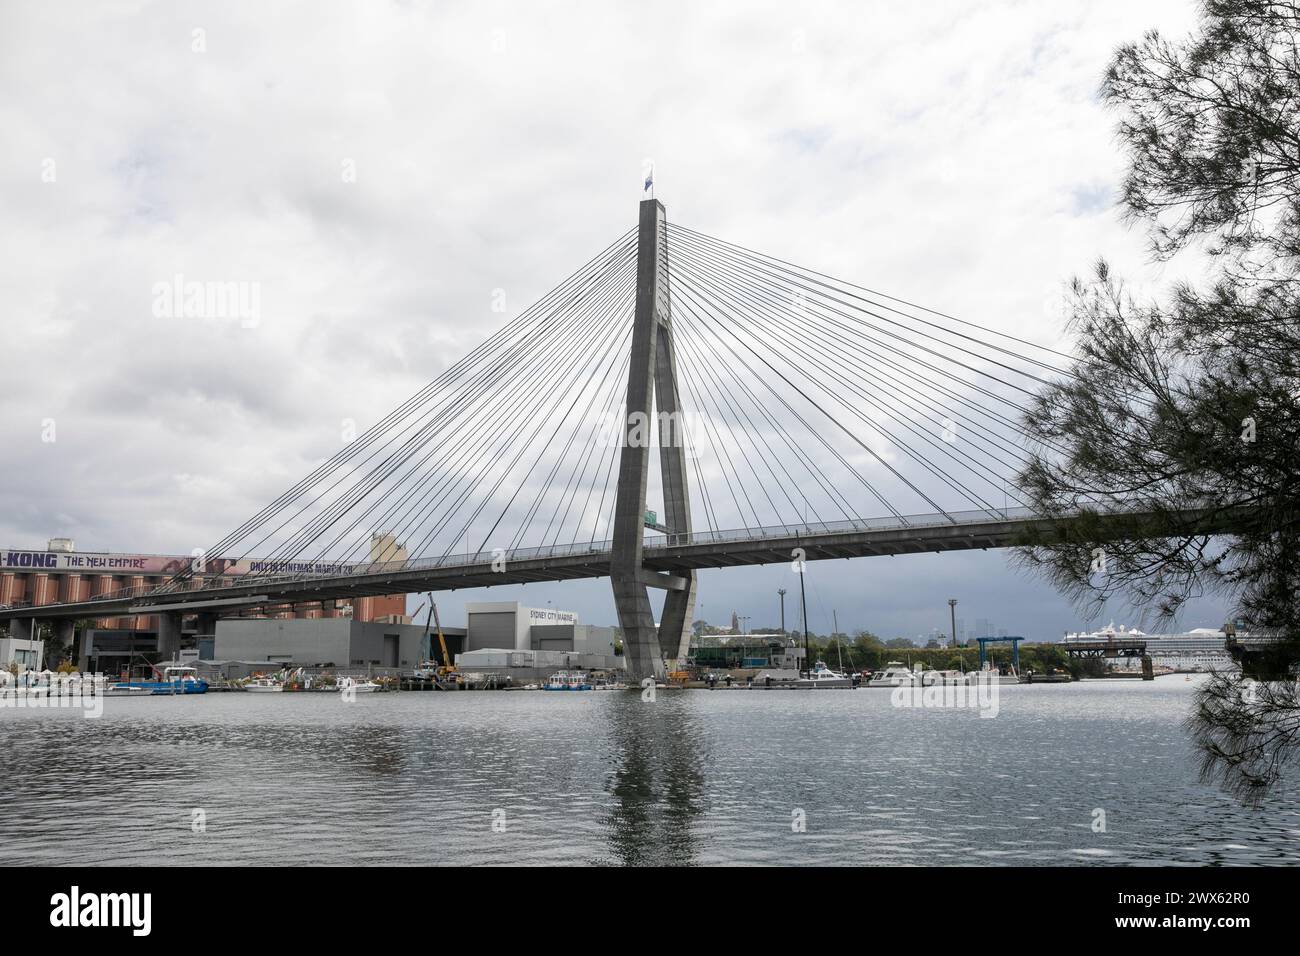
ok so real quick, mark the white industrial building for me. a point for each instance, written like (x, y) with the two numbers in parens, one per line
(507, 638)
(27, 654)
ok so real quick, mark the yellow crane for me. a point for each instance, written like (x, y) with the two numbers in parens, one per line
(446, 671)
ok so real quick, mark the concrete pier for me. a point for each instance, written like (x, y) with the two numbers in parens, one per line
(65, 634)
(169, 635)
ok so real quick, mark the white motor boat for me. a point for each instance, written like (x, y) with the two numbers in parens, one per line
(264, 685)
(822, 676)
(783, 677)
(351, 684)
(894, 674)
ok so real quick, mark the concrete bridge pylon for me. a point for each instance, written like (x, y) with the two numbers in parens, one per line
(652, 380)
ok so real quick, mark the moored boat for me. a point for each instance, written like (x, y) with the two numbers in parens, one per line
(821, 676)
(264, 685)
(988, 675)
(568, 680)
(893, 674)
(175, 680)
(352, 685)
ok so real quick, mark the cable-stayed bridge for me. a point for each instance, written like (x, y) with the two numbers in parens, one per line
(793, 416)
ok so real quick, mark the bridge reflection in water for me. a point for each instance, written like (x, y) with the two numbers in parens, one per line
(697, 777)
(658, 782)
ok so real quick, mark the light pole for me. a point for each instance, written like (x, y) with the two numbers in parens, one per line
(781, 591)
(803, 604)
(952, 609)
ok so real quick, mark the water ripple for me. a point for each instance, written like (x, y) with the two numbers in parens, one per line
(598, 779)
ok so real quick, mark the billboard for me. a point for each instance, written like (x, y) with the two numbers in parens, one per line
(90, 562)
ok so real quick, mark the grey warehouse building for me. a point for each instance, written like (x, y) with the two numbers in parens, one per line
(505, 638)
(340, 642)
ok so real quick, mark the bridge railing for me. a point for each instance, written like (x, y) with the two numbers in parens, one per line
(816, 528)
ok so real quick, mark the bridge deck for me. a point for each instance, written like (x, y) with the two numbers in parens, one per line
(878, 537)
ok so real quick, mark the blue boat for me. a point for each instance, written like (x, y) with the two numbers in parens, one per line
(568, 680)
(175, 680)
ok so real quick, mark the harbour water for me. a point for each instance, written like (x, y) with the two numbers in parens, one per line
(695, 777)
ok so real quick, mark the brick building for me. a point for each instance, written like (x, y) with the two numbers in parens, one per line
(60, 573)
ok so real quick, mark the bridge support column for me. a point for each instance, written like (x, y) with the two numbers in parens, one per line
(169, 635)
(679, 606)
(651, 375)
(22, 628)
(83, 648)
(65, 635)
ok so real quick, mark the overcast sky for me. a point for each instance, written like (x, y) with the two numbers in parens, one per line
(378, 170)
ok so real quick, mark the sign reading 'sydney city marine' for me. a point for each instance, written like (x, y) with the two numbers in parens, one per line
(551, 616)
